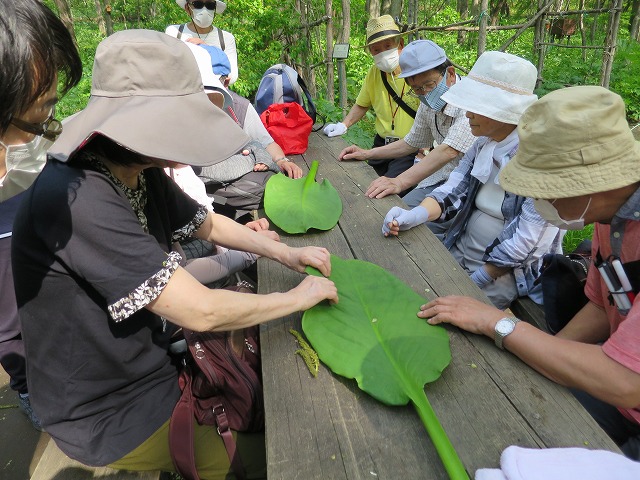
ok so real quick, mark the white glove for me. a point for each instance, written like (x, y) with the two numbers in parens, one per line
(335, 129)
(406, 218)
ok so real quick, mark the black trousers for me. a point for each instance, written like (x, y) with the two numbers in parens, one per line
(390, 167)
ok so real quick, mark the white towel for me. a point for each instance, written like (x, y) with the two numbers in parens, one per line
(492, 150)
(519, 463)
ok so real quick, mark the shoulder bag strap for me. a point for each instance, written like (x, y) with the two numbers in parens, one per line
(410, 111)
(221, 38)
(180, 30)
(181, 432)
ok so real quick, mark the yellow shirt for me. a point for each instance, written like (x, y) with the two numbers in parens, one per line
(374, 94)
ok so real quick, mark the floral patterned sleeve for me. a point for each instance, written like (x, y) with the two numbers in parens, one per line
(147, 292)
(187, 231)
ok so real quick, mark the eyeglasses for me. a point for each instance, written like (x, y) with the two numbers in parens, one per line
(198, 4)
(424, 88)
(49, 129)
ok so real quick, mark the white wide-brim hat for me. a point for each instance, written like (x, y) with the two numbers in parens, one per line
(220, 6)
(153, 103)
(210, 80)
(499, 86)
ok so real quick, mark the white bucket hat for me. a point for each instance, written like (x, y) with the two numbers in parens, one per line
(153, 103)
(499, 86)
(573, 141)
(220, 6)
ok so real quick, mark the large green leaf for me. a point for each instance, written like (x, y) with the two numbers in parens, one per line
(374, 336)
(296, 205)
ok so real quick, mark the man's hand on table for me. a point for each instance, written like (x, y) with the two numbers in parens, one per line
(353, 152)
(289, 168)
(383, 186)
(463, 312)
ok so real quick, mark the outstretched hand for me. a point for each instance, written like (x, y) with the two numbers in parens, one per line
(383, 186)
(464, 312)
(353, 152)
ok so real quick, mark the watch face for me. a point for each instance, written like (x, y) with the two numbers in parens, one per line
(504, 327)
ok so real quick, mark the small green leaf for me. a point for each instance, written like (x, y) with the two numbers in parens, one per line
(296, 205)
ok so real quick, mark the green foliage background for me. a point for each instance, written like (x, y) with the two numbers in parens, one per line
(269, 31)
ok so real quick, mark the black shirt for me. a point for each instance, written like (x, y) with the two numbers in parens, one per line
(99, 374)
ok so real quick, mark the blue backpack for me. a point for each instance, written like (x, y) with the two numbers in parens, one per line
(282, 84)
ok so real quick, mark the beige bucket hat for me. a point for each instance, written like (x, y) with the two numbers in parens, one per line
(381, 28)
(499, 86)
(574, 141)
(147, 95)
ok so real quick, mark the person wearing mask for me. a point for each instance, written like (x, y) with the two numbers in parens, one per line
(439, 137)
(498, 238)
(384, 91)
(35, 47)
(579, 161)
(201, 30)
(95, 271)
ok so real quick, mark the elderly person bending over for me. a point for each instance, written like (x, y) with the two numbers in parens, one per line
(99, 290)
(579, 159)
(497, 237)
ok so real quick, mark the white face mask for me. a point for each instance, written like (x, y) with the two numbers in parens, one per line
(549, 213)
(202, 17)
(24, 162)
(388, 60)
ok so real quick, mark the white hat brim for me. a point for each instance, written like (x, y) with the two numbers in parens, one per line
(488, 100)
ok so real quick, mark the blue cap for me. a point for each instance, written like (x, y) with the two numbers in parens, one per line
(219, 60)
(420, 56)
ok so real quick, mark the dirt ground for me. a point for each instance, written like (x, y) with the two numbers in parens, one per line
(20, 444)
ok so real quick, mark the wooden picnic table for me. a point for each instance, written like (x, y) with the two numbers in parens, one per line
(486, 399)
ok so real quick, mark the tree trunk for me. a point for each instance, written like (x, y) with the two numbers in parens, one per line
(345, 35)
(498, 8)
(610, 45)
(64, 10)
(594, 25)
(373, 7)
(583, 34)
(328, 8)
(463, 10)
(108, 21)
(396, 9)
(412, 18)
(101, 21)
(385, 7)
(307, 72)
(634, 21)
(482, 32)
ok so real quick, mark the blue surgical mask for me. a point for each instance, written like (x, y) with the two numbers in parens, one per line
(433, 99)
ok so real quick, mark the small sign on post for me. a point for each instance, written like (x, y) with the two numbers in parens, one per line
(341, 50)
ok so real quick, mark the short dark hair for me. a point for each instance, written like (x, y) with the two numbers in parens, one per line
(34, 47)
(442, 68)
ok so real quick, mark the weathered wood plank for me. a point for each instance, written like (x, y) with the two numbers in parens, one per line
(55, 465)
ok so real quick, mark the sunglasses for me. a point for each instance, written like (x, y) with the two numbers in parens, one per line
(49, 129)
(198, 4)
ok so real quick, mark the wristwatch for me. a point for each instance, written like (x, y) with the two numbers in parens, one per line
(283, 159)
(503, 328)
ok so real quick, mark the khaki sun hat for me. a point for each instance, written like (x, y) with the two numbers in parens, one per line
(574, 141)
(147, 95)
(499, 86)
(381, 28)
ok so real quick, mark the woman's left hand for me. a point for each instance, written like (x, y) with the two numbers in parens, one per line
(299, 258)
(290, 169)
(463, 312)
(260, 167)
